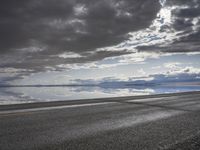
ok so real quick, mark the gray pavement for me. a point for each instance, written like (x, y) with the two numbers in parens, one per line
(133, 123)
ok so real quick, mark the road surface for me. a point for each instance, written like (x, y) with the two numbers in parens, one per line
(169, 121)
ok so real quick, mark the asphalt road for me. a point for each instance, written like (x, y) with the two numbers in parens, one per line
(169, 122)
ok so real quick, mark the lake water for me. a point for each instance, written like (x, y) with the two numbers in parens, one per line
(13, 95)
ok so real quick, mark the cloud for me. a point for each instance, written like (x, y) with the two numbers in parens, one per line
(141, 72)
(34, 34)
(185, 70)
(55, 35)
(184, 28)
(172, 65)
(186, 74)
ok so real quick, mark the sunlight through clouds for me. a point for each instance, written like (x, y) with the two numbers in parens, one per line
(98, 38)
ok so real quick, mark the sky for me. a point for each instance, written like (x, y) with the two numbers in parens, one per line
(84, 41)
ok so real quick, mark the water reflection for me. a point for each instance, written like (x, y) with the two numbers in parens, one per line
(40, 94)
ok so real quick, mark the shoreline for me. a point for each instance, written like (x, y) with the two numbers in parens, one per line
(87, 101)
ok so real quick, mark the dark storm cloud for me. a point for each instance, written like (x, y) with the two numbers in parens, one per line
(186, 21)
(23, 21)
(181, 2)
(34, 33)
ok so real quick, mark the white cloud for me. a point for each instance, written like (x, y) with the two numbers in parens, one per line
(193, 53)
(134, 58)
(185, 70)
(172, 65)
(186, 74)
(80, 10)
(138, 58)
(156, 67)
(13, 70)
(69, 55)
(141, 72)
